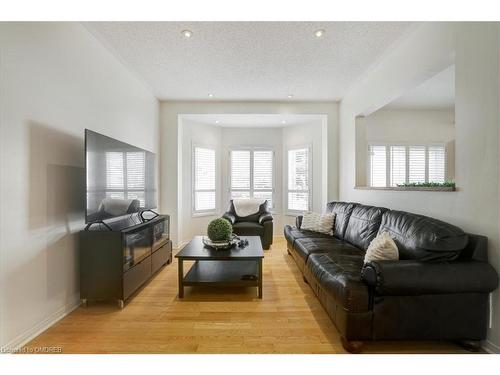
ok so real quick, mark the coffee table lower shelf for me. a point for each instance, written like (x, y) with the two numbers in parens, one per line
(223, 273)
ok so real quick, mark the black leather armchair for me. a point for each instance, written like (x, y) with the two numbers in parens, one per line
(258, 224)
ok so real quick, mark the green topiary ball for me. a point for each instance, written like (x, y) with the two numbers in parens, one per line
(219, 230)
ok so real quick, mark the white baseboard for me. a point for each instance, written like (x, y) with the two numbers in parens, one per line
(33, 332)
(490, 347)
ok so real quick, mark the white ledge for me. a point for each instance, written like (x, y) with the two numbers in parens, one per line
(409, 188)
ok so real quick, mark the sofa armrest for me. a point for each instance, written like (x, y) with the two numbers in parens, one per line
(229, 217)
(412, 277)
(298, 221)
(265, 217)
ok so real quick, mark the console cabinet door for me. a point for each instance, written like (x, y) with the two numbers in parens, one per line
(162, 256)
(136, 276)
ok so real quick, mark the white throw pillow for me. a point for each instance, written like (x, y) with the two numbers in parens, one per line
(382, 247)
(322, 223)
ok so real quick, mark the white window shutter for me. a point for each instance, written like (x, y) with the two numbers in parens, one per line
(240, 169)
(416, 156)
(378, 166)
(298, 180)
(263, 169)
(437, 164)
(298, 169)
(204, 179)
(398, 165)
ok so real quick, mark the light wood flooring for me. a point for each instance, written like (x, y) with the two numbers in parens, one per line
(289, 319)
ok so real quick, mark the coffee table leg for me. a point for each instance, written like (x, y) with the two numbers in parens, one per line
(260, 278)
(181, 278)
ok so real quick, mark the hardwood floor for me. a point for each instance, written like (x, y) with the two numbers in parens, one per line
(289, 319)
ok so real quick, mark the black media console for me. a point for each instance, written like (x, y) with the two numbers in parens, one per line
(116, 259)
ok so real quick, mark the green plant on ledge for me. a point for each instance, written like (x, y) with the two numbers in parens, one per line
(219, 230)
(449, 184)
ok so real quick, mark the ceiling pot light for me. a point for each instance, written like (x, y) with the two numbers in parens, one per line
(216, 121)
(210, 95)
(187, 33)
(290, 96)
(283, 122)
(319, 33)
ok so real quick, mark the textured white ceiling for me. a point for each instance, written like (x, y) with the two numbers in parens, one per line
(436, 93)
(248, 60)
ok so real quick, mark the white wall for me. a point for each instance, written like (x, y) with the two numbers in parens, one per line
(476, 205)
(56, 80)
(255, 137)
(169, 116)
(193, 133)
(405, 126)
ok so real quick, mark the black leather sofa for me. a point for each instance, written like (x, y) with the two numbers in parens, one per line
(258, 224)
(438, 290)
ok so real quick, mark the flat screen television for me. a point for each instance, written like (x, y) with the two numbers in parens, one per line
(120, 178)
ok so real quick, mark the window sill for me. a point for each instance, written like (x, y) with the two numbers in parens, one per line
(201, 214)
(408, 188)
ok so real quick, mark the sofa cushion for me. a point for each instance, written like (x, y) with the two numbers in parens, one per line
(363, 225)
(293, 233)
(423, 238)
(248, 228)
(339, 274)
(306, 246)
(322, 223)
(342, 211)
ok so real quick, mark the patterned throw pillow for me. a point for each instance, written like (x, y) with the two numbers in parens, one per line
(382, 247)
(322, 223)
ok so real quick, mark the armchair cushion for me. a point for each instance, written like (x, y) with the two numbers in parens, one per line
(229, 217)
(265, 217)
(298, 221)
(413, 277)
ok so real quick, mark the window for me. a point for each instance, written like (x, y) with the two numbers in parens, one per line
(299, 180)
(393, 165)
(126, 175)
(252, 174)
(204, 196)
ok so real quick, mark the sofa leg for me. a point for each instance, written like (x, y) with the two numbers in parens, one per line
(353, 347)
(288, 251)
(470, 345)
(305, 280)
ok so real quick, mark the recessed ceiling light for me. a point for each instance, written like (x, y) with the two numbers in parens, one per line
(216, 121)
(187, 33)
(283, 122)
(290, 96)
(210, 95)
(319, 33)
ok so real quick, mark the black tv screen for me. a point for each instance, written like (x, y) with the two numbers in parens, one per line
(120, 178)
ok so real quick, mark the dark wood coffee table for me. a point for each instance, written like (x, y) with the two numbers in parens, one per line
(221, 267)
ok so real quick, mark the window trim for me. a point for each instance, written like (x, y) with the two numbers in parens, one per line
(210, 212)
(407, 146)
(288, 211)
(251, 190)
